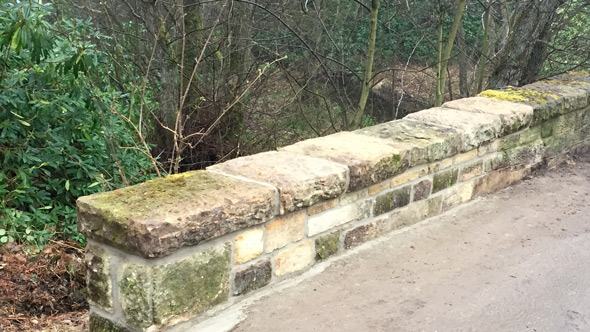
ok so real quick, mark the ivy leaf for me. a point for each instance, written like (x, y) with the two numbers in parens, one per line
(67, 185)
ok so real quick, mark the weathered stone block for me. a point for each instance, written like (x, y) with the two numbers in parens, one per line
(100, 324)
(457, 194)
(354, 196)
(488, 148)
(408, 176)
(338, 216)
(525, 155)
(513, 116)
(135, 294)
(392, 200)
(572, 96)
(475, 128)
(157, 217)
(364, 233)
(494, 162)
(444, 180)
(425, 142)
(284, 230)
(253, 277)
(186, 288)
(379, 187)
(302, 180)
(497, 180)
(327, 245)
(249, 245)
(422, 190)
(98, 277)
(321, 207)
(369, 159)
(176, 291)
(416, 212)
(471, 171)
(545, 105)
(294, 259)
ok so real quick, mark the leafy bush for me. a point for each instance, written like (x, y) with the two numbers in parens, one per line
(58, 139)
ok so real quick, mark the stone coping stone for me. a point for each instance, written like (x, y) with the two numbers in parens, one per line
(155, 218)
(301, 180)
(475, 128)
(369, 159)
(425, 142)
(513, 116)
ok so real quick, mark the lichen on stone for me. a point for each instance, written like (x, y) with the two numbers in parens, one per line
(519, 95)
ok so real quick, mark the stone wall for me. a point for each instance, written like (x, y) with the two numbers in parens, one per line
(169, 251)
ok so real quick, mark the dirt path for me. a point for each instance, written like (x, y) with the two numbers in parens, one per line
(515, 261)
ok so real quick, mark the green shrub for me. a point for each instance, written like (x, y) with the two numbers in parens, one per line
(58, 139)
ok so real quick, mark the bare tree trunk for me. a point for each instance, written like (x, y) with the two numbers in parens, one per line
(358, 118)
(481, 66)
(463, 64)
(522, 58)
(446, 53)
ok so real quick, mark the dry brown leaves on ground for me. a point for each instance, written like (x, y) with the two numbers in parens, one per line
(39, 290)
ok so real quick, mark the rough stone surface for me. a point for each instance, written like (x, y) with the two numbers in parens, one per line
(458, 194)
(512, 115)
(379, 187)
(364, 233)
(392, 200)
(98, 277)
(294, 259)
(253, 277)
(369, 159)
(471, 171)
(135, 294)
(494, 162)
(525, 155)
(176, 291)
(249, 245)
(190, 286)
(327, 245)
(157, 217)
(416, 212)
(100, 324)
(338, 216)
(422, 190)
(570, 97)
(497, 180)
(321, 207)
(475, 128)
(284, 230)
(408, 176)
(353, 196)
(302, 180)
(425, 142)
(444, 180)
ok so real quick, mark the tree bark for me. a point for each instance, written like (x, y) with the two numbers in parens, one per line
(446, 53)
(358, 118)
(522, 58)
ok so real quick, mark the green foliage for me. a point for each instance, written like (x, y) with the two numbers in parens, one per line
(58, 139)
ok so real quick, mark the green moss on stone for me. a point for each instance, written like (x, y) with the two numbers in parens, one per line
(192, 285)
(137, 200)
(99, 277)
(135, 285)
(100, 324)
(392, 200)
(444, 180)
(519, 95)
(327, 245)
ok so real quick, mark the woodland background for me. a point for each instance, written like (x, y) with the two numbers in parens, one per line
(97, 95)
